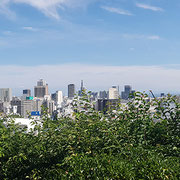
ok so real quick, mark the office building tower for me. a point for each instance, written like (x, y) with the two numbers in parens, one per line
(41, 82)
(16, 102)
(27, 92)
(103, 95)
(5, 94)
(38, 104)
(80, 93)
(82, 87)
(27, 107)
(71, 90)
(127, 91)
(41, 89)
(50, 105)
(105, 105)
(113, 93)
(53, 96)
(57, 98)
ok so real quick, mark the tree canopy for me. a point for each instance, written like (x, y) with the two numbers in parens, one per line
(138, 141)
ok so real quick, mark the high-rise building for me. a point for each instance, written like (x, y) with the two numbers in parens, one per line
(41, 82)
(50, 105)
(103, 95)
(5, 94)
(71, 90)
(80, 93)
(104, 105)
(127, 91)
(57, 97)
(113, 93)
(16, 102)
(27, 107)
(27, 92)
(41, 89)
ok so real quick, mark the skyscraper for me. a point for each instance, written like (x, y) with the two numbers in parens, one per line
(5, 94)
(71, 90)
(27, 92)
(80, 93)
(113, 93)
(103, 95)
(82, 86)
(41, 89)
(127, 91)
(57, 97)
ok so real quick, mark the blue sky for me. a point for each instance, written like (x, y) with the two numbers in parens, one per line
(112, 33)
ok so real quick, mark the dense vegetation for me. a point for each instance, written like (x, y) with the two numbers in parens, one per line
(130, 142)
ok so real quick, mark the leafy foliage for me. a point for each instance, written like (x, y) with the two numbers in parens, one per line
(137, 141)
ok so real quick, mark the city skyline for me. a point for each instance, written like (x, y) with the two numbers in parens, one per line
(70, 91)
(95, 77)
(106, 41)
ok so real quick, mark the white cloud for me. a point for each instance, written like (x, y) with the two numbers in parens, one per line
(149, 7)
(141, 36)
(117, 10)
(29, 28)
(47, 7)
(4, 9)
(154, 37)
(96, 77)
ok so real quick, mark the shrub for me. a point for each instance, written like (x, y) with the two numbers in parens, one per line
(126, 143)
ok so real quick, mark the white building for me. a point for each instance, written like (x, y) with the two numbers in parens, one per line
(113, 93)
(59, 98)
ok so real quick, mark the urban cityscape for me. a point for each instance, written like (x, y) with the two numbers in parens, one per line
(29, 104)
(89, 90)
(56, 102)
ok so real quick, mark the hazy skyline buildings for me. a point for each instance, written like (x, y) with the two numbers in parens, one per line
(113, 93)
(5, 94)
(27, 92)
(41, 89)
(103, 95)
(71, 90)
(82, 88)
(127, 91)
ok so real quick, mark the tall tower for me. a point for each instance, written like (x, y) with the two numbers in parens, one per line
(80, 92)
(82, 85)
(41, 89)
(127, 89)
(5, 94)
(71, 90)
